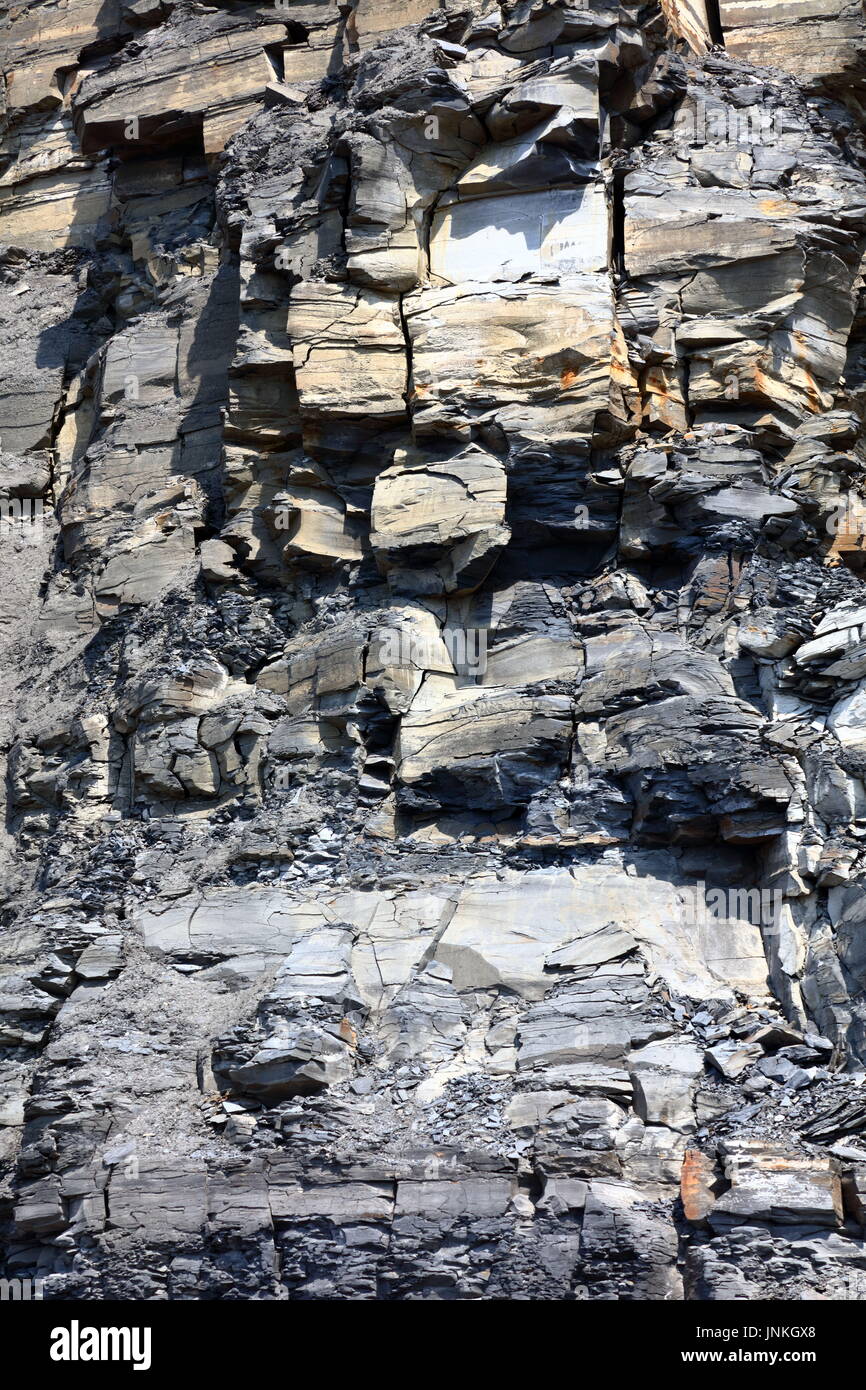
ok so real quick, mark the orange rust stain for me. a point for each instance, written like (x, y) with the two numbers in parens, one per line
(697, 1174)
(813, 395)
(347, 1032)
(568, 377)
(849, 541)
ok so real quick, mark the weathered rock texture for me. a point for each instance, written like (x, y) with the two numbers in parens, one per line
(434, 639)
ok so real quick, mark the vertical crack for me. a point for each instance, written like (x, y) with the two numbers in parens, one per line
(617, 213)
(407, 394)
(714, 22)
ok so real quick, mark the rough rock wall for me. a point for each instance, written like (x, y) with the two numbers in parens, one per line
(434, 641)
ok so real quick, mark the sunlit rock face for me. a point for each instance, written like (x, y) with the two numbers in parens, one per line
(434, 630)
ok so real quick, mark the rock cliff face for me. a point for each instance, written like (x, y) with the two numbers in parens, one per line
(434, 649)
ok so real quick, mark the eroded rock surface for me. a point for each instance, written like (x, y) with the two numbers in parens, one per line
(434, 626)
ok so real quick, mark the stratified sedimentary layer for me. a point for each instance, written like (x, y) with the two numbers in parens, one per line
(431, 466)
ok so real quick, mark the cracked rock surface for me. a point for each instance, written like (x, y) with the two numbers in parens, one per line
(433, 716)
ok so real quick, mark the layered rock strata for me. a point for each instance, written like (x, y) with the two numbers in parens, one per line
(434, 637)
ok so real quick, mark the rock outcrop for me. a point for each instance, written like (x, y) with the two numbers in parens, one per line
(434, 636)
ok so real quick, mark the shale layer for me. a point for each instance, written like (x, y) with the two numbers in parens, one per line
(434, 650)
